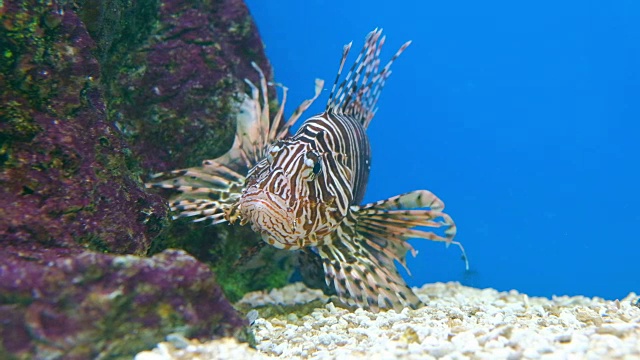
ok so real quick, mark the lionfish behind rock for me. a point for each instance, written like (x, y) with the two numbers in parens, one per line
(303, 191)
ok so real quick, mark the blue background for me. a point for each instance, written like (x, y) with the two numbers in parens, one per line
(522, 116)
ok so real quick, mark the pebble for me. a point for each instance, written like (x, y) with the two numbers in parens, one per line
(458, 322)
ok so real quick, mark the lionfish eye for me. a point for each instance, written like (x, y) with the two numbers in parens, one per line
(312, 160)
(271, 152)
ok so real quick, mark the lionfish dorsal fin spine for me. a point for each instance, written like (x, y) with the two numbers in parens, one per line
(277, 119)
(263, 124)
(358, 94)
(284, 130)
(343, 60)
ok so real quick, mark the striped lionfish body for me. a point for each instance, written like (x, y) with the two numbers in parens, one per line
(302, 192)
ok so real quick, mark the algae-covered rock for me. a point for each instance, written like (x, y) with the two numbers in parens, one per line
(93, 89)
(241, 261)
(76, 304)
(96, 95)
(65, 172)
(173, 94)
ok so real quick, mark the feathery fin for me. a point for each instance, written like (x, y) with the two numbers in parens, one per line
(360, 262)
(207, 192)
(362, 277)
(358, 94)
(397, 217)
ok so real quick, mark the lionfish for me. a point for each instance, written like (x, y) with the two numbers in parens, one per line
(302, 192)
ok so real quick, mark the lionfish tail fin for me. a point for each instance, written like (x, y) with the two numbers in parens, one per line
(357, 95)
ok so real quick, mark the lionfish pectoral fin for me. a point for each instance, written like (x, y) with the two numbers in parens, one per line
(364, 276)
(360, 263)
(208, 192)
(203, 193)
(393, 221)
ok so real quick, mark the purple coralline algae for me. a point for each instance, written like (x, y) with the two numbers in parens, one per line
(187, 74)
(77, 304)
(93, 97)
(173, 94)
(64, 179)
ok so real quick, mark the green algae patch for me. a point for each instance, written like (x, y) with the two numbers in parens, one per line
(240, 260)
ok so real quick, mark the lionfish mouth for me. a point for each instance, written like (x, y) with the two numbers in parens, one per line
(270, 216)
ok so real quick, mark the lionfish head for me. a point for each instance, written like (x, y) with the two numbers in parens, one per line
(282, 200)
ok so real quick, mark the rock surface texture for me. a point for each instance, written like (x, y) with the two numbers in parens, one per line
(94, 96)
(74, 304)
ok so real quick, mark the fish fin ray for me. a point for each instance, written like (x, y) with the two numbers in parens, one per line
(207, 191)
(391, 222)
(364, 276)
(202, 193)
(358, 94)
(360, 262)
(284, 130)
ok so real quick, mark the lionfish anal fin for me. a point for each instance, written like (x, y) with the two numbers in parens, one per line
(360, 263)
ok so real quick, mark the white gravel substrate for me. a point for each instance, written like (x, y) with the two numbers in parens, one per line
(459, 322)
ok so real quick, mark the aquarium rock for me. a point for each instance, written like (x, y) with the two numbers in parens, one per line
(458, 322)
(65, 176)
(173, 93)
(89, 91)
(76, 304)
